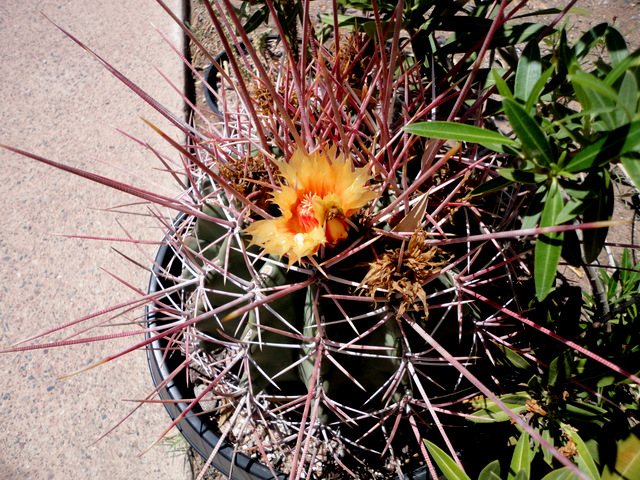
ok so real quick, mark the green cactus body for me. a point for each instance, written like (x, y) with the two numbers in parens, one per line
(363, 359)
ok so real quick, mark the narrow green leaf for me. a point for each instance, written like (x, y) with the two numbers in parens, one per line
(490, 472)
(513, 359)
(564, 473)
(625, 263)
(548, 246)
(449, 467)
(598, 95)
(458, 132)
(631, 61)
(631, 163)
(501, 85)
(535, 143)
(616, 45)
(584, 411)
(528, 71)
(555, 11)
(493, 185)
(348, 22)
(589, 39)
(547, 454)
(566, 58)
(522, 176)
(493, 413)
(600, 208)
(613, 145)
(571, 210)
(584, 459)
(520, 398)
(606, 381)
(627, 464)
(521, 459)
(537, 89)
(468, 30)
(259, 17)
(533, 213)
(560, 368)
(627, 99)
(491, 476)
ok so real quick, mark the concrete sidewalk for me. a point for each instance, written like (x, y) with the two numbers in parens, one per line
(58, 102)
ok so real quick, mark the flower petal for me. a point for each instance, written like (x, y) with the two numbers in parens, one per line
(318, 193)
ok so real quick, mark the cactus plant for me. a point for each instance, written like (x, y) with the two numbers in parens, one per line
(342, 286)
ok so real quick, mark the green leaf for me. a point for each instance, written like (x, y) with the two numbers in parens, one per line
(490, 472)
(520, 398)
(600, 208)
(522, 176)
(631, 162)
(493, 413)
(627, 464)
(535, 143)
(627, 99)
(560, 368)
(533, 213)
(616, 45)
(548, 246)
(584, 459)
(458, 132)
(468, 31)
(348, 22)
(537, 89)
(628, 275)
(528, 72)
(259, 17)
(501, 85)
(547, 454)
(513, 359)
(564, 473)
(615, 144)
(606, 381)
(597, 94)
(491, 186)
(449, 467)
(521, 459)
(566, 57)
(571, 210)
(589, 39)
(555, 11)
(584, 411)
(618, 70)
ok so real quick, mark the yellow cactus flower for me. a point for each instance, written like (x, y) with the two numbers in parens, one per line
(319, 194)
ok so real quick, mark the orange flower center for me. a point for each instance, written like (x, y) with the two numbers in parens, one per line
(306, 217)
(336, 230)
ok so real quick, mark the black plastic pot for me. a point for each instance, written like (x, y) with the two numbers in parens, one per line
(211, 77)
(195, 428)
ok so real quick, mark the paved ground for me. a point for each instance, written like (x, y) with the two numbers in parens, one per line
(57, 101)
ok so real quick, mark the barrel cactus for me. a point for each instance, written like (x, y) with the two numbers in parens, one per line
(329, 276)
